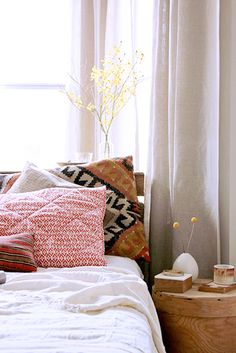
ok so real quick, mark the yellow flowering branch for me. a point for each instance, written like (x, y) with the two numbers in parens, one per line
(115, 82)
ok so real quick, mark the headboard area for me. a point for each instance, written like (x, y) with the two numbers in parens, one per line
(139, 180)
(137, 249)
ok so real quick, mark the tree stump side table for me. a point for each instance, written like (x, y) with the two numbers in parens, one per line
(197, 322)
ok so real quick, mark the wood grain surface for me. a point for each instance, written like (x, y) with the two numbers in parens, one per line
(197, 322)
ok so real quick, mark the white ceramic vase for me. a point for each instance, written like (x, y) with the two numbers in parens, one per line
(186, 263)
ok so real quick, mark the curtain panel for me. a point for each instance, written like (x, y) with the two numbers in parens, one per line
(87, 50)
(178, 146)
(184, 141)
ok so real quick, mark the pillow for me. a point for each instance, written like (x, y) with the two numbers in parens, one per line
(16, 253)
(124, 231)
(67, 224)
(7, 180)
(33, 178)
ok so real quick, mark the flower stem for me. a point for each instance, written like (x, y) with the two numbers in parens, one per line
(190, 238)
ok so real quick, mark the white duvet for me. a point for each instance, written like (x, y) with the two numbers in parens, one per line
(78, 310)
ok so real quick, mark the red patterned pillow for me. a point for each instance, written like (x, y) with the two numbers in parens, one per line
(67, 224)
(124, 231)
(16, 253)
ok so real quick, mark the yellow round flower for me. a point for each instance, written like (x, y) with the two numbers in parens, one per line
(194, 219)
(176, 225)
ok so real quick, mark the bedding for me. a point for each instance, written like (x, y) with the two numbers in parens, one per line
(123, 227)
(124, 231)
(33, 178)
(17, 253)
(67, 224)
(79, 300)
(7, 180)
(87, 309)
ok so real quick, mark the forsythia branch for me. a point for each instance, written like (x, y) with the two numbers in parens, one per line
(115, 83)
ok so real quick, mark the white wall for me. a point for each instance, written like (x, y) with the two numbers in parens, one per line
(228, 132)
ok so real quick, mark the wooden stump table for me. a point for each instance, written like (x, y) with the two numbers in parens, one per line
(197, 322)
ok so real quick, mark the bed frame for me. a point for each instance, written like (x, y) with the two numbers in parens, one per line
(139, 179)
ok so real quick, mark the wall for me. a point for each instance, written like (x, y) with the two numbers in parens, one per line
(228, 132)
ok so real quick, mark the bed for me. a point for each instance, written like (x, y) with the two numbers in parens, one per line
(69, 290)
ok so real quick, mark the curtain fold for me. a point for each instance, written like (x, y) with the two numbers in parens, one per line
(183, 151)
(88, 48)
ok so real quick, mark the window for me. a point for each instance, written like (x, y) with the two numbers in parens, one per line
(34, 65)
(38, 123)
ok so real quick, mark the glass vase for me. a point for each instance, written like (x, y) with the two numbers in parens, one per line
(105, 149)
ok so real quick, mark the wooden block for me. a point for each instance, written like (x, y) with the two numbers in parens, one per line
(178, 284)
(216, 288)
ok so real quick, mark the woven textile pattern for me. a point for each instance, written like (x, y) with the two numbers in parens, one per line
(124, 232)
(7, 180)
(67, 224)
(123, 229)
(16, 253)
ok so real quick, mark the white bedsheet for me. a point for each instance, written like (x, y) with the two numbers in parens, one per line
(82, 310)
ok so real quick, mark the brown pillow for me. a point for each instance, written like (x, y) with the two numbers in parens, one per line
(124, 231)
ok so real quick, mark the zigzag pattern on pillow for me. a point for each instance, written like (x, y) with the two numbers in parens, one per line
(122, 211)
(123, 229)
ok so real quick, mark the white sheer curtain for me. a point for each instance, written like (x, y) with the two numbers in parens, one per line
(184, 143)
(87, 49)
(99, 25)
(180, 141)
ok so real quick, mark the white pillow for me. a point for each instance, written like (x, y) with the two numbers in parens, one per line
(33, 178)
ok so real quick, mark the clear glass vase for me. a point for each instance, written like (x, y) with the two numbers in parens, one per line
(106, 149)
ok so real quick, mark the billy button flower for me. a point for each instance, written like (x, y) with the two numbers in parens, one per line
(176, 225)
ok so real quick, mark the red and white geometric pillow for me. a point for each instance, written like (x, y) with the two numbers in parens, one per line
(123, 228)
(67, 224)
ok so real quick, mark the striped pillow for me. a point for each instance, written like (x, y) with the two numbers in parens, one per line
(16, 253)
